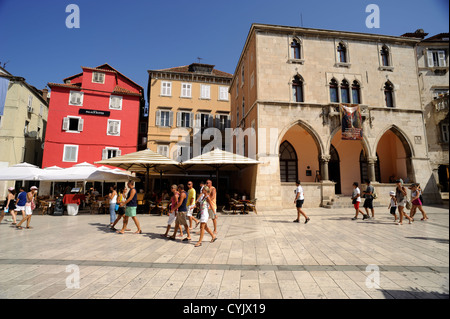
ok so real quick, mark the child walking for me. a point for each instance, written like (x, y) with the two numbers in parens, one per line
(393, 205)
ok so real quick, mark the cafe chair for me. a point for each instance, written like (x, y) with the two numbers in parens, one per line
(252, 205)
(236, 205)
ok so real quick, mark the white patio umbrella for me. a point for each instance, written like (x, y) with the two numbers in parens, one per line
(219, 159)
(20, 172)
(143, 161)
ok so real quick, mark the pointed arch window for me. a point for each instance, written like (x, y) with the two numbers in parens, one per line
(297, 89)
(345, 92)
(356, 93)
(385, 56)
(342, 53)
(334, 95)
(389, 94)
(288, 162)
(295, 49)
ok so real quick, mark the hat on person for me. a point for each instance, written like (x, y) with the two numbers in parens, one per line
(10, 188)
(33, 187)
(391, 193)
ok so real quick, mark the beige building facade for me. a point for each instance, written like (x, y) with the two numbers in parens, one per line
(433, 61)
(22, 125)
(183, 102)
(288, 87)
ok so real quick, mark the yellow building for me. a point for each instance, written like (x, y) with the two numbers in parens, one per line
(22, 125)
(184, 101)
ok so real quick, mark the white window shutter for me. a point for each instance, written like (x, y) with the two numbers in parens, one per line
(80, 125)
(65, 126)
(191, 119)
(119, 153)
(441, 55)
(179, 119)
(170, 119)
(228, 125)
(430, 58)
(104, 154)
(158, 117)
(198, 117)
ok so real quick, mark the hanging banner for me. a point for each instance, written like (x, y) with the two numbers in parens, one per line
(351, 122)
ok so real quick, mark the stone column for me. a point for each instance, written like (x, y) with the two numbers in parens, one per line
(371, 161)
(324, 159)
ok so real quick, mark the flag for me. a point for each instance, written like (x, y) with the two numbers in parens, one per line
(351, 122)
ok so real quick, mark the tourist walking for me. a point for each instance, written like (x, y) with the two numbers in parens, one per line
(213, 206)
(172, 212)
(205, 204)
(10, 205)
(393, 205)
(121, 198)
(401, 197)
(298, 201)
(191, 204)
(356, 201)
(20, 203)
(112, 205)
(368, 198)
(30, 205)
(130, 211)
(181, 214)
(417, 202)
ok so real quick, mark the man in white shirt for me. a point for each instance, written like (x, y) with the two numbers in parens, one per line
(356, 200)
(299, 199)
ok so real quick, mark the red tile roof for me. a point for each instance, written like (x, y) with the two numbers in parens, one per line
(186, 69)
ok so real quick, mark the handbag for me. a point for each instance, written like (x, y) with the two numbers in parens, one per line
(408, 205)
(354, 201)
(116, 208)
(33, 205)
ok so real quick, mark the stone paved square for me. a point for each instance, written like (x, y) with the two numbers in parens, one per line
(260, 256)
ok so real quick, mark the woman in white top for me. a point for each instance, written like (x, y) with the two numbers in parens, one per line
(356, 200)
(112, 205)
(299, 199)
(205, 204)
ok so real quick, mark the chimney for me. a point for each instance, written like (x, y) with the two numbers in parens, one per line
(45, 94)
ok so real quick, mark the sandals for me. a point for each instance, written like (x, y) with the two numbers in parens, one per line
(214, 239)
(198, 245)
(186, 239)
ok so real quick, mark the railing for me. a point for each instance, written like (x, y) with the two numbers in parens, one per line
(441, 103)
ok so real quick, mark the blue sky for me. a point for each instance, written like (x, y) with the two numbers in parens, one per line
(137, 35)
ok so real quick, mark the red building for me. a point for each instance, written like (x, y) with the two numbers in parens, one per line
(94, 115)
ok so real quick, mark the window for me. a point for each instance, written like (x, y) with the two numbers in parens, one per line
(113, 127)
(334, 96)
(243, 108)
(30, 101)
(342, 53)
(436, 58)
(223, 93)
(205, 120)
(26, 128)
(437, 93)
(445, 132)
(115, 102)
(186, 90)
(70, 153)
(356, 94)
(98, 77)
(222, 121)
(205, 91)
(295, 49)
(73, 124)
(163, 150)
(184, 119)
(41, 109)
(237, 87)
(288, 163)
(297, 89)
(242, 75)
(389, 94)
(110, 152)
(76, 98)
(164, 118)
(345, 93)
(385, 56)
(166, 88)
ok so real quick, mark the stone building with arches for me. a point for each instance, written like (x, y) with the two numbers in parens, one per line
(293, 81)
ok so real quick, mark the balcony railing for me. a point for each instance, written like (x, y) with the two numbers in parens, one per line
(441, 103)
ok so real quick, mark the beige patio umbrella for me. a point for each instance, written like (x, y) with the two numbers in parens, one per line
(143, 161)
(218, 159)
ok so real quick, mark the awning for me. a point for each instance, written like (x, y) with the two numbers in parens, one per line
(20, 172)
